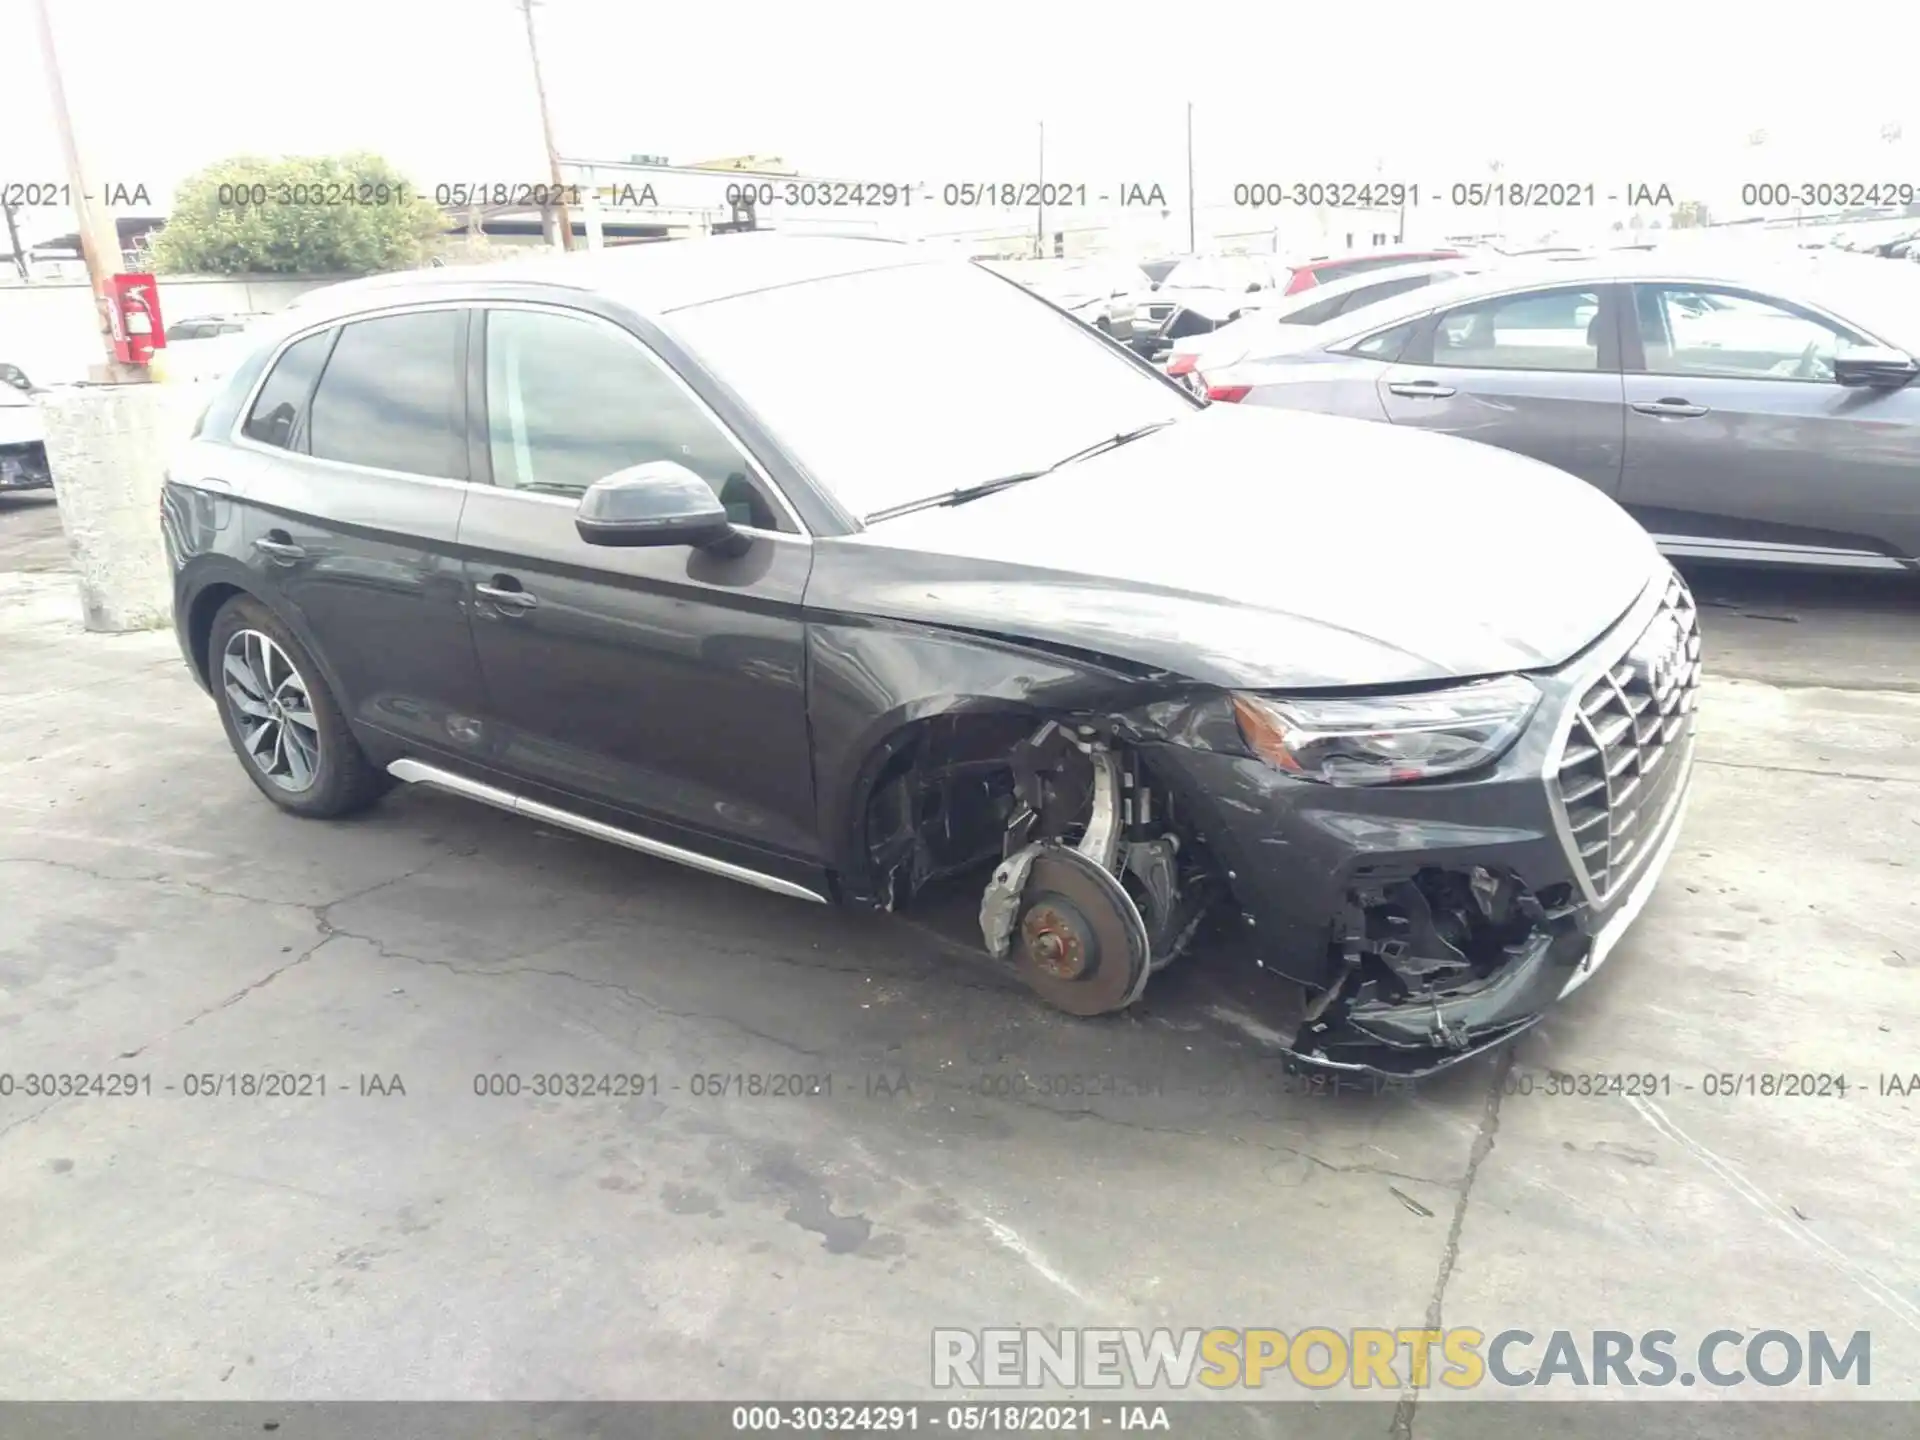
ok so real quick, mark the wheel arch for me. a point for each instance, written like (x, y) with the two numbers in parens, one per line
(923, 738)
(203, 603)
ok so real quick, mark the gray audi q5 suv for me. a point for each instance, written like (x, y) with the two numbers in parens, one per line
(717, 551)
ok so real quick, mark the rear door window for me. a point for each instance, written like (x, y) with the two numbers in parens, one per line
(1536, 330)
(393, 396)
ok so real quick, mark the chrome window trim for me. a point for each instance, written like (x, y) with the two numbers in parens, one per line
(242, 441)
(1600, 659)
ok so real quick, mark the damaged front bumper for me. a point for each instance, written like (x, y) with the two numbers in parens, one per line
(1429, 922)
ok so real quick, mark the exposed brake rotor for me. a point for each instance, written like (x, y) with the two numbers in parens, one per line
(1080, 942)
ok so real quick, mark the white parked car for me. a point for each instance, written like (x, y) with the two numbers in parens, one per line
(1212, 285)
(1269, 325)
(23, 438)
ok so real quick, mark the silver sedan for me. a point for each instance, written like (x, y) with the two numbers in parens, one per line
(1759, 413)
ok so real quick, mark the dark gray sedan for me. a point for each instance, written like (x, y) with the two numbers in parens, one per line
(1751, 413)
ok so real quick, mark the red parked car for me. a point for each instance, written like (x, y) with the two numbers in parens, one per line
(1341, 267)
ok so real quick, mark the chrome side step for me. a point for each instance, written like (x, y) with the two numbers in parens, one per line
(416, 773)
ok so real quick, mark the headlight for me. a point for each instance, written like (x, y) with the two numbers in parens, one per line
(1387, 739)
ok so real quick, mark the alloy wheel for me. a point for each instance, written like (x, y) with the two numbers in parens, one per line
(272, 710)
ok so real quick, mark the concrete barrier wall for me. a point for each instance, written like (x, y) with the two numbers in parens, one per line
(108, 446)
(49, 329)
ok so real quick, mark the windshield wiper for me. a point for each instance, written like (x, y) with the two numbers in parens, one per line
(1001, 482)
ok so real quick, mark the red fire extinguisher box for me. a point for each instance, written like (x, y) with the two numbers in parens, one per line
(133, 307)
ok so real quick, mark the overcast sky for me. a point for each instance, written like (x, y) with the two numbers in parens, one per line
(939, 91)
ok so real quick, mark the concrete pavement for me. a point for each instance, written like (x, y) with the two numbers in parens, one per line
(960, 1157)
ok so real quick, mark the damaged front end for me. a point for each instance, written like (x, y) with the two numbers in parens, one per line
(1436, 964)
(1096, 883)
(1418, 873)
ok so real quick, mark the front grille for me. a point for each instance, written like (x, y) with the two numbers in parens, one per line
(1623, 761)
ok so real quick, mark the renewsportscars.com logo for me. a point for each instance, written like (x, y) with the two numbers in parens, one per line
(1364, 1358)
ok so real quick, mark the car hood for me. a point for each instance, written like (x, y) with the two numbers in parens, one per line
(1271, 549)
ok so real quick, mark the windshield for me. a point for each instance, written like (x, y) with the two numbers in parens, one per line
(891, 385)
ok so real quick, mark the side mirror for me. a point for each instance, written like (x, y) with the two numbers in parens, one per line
(1254, 288)
(658, 503)
(1870, 367)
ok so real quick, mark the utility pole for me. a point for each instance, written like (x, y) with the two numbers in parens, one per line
(1191, 245)
(99, 236)
(1040, 216)
(562, 215)
(13, 241)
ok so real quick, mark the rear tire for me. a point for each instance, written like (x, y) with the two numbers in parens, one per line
(284, 725)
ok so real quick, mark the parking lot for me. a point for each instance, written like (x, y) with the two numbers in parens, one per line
(959, 1155)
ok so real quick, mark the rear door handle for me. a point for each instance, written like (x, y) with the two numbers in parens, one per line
(1677, 408)
(1421, 389)
(282, 550)
(506, 598)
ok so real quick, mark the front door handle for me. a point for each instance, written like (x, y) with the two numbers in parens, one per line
(277, 547)
(1677, 408)
(1421, 389)
(511, 599)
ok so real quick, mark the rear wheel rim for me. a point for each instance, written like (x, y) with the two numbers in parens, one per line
(272, 710)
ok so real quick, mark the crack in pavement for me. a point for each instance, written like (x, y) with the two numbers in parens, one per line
(1403, 1413)
(648, 1001)
(161, 878)
(165, 878)
(1078, 1113)
(13, 1125)
(1892, 685)
(234, 999)
(1808, 770)
(933, 1081)
(328, 932)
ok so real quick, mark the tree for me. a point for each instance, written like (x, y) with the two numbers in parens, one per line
(1690, 214)
(297, 215)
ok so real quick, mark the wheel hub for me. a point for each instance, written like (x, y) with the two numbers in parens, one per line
(1057, 938)
(1083, 946)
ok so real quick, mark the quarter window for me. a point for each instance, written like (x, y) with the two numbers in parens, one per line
(1386, 344)
(1690, 331)
(393, 396)
(277, 410)
(570, 401)
(1540, 330)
